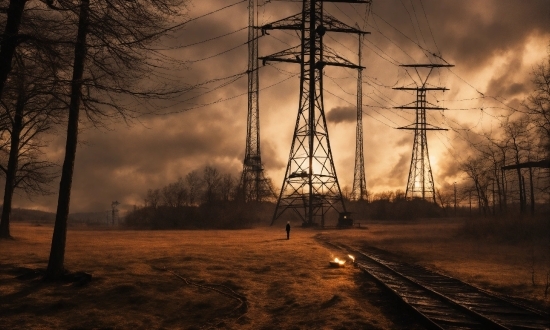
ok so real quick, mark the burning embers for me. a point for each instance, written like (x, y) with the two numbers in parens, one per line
(336, 262)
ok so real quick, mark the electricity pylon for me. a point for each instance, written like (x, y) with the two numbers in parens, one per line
(254, 185)
(310, 186)
(420, 183)
(359, 190)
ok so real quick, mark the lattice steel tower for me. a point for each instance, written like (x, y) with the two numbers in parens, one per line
(254, 185)
(310, 186)
(420, 183)
(359, 190)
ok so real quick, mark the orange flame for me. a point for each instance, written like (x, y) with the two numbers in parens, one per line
(340, 262)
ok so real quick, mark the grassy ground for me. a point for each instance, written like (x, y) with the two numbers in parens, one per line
(287, 284)
(245, 279)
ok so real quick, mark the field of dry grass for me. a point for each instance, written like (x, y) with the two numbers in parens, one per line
(287, 284)
(242, 279)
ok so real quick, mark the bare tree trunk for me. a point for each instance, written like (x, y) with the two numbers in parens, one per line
(11, 170)
(499, 191)
(9, 39)
(504, 188)
(57, 252)
(520, 185)
(532, 191)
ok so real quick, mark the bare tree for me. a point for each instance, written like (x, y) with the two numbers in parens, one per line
(477, 170)
(226, 186)
(538, 104)
(110, 56)
(10, 39)
(57, 253)
(31, 108)
(181, 192)
(153, 198)
(194, 184)
(175, 194)
(538, 109)
(446, 198)
(519, 139)
(212, 180)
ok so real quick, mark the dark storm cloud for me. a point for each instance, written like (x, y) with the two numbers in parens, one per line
(477, 31)
(342, 115)
(468, 33)
(122, 163)
(404, 141)
(400, 170)
(505, 83)
(270, 157)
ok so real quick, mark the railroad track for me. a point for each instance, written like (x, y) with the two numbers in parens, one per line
(444, 302)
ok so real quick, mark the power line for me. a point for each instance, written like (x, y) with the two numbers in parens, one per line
(228, 98)
(209, 39)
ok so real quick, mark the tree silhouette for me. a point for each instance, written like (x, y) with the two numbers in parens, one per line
(109, 63)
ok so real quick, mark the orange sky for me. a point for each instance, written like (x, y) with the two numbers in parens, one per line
(494, 45)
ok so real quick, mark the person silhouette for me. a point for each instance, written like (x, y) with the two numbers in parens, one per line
(288, 230)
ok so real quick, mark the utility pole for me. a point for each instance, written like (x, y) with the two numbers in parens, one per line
(359, 190)
(310, 186)
(253, 185)
(420, 183)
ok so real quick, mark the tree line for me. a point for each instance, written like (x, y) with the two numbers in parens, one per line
(509, 172)
(201, 199)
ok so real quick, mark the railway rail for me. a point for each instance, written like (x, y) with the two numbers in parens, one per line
(444, 302)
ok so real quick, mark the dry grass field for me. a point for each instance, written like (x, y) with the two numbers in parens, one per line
(242, 279)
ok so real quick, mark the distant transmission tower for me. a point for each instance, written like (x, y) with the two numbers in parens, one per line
(420, 183)
(310, 186)
(359, 190)
(254, 185)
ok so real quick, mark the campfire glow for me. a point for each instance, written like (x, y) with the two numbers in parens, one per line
(337, 262)
(351, 257)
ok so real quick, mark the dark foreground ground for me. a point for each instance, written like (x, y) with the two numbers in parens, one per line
(245, 279)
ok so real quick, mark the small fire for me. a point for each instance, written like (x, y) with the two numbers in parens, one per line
(351, 257)
(340, 262)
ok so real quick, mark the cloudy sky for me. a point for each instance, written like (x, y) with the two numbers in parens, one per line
(494, 44)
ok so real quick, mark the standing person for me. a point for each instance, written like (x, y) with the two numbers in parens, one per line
(288, 230)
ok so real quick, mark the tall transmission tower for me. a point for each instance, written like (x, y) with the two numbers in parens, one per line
(254, 185)
(359, 190)
(310, 186)
(420, 183)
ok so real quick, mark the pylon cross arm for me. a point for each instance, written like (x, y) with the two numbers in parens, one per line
(291, 55)
(293, 22)
(333, 24)
(331, 58)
